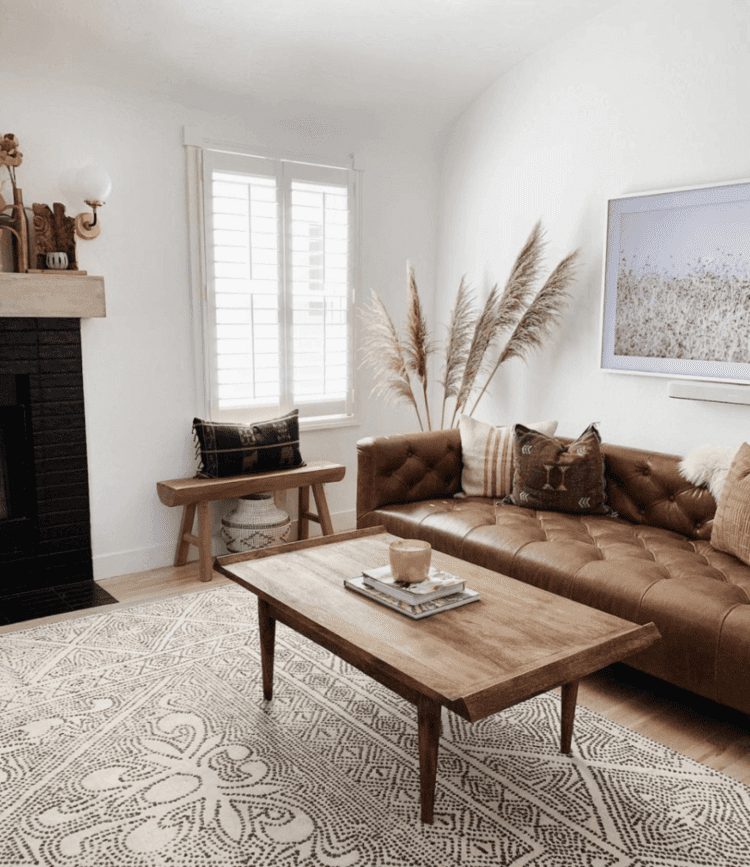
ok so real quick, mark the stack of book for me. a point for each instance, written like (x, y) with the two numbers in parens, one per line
(439, 592)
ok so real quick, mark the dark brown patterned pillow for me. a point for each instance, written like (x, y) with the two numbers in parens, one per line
(550, 475)
(238, 449)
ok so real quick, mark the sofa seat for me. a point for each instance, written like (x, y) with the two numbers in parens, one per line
(698, 597)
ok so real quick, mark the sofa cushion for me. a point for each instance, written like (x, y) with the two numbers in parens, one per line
(556, 476)
(487, 455)
(731, 529)
(237, 449)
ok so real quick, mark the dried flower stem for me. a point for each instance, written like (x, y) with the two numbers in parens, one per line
(382, 351)
(417, 348)
(470, 337)
(457, 344)
(481, 339)
(536, 323)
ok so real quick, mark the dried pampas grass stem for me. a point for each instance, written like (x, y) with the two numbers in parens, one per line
(382, 351)
(417, 348)
(397, 362)
(460, 329)
(537, 322)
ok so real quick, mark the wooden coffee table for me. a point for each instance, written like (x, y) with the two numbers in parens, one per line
(516, 642)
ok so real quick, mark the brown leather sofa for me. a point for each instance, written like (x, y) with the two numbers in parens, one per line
(653, 562)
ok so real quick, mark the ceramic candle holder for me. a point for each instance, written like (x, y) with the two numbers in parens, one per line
(410, 560)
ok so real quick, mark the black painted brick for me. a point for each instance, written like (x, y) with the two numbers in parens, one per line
(62, 503)
(59, 408)
(62, 434)
(55, 394)
(51, 450)
(59, 338)
(15, 323)
(48, 494)
(11, 354)
(57, 379)
(64, 324)
(56, 424)
(20, 338)
(61, 519)
(59, 351)
(64, 480)
(66, 544)
(19, 366)
(60, 365)
(49, 351)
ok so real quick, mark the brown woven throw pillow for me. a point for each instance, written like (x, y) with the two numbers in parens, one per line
(731, 528)
(550, 475)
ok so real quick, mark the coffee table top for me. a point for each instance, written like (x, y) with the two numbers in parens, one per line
(516, 642)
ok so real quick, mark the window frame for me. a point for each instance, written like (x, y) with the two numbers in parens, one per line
(196, 146)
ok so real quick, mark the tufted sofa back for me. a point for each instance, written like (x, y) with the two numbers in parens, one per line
(647, 488)
(644, 487)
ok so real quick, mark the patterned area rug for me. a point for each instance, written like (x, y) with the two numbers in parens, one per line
(139, 736)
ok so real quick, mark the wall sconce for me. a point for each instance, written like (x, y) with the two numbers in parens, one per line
(93, 185)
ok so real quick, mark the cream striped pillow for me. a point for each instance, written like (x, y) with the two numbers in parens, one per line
(487, 455)
(731, 528)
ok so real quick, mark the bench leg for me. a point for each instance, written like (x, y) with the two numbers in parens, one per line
(324, 516)
(186, 529)
(204, 541)
(303, 524)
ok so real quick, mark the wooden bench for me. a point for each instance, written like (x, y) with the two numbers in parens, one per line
(199, 493)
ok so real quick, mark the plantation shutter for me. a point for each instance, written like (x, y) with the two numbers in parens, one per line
(280, 285)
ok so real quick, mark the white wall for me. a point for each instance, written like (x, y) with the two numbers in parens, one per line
(139, 382)
(646, 96)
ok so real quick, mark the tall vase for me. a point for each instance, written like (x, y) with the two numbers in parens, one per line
(22, 227)
(255, 522)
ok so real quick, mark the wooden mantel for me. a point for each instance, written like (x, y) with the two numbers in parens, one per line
(59, 295)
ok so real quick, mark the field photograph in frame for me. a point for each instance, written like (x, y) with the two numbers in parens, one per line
(677, 283)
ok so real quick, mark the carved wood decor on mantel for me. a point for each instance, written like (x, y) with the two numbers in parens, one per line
(53, 233)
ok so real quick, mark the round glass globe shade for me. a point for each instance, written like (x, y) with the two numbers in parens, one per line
(93, 183)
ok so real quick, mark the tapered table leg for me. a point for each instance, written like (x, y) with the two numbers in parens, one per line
(568, 712)
(267, 626)
(428, 717)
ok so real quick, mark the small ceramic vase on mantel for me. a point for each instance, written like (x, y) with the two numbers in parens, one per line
(255, 522)
(21, 222)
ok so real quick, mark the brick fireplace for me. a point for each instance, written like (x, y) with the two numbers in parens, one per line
(45, 535)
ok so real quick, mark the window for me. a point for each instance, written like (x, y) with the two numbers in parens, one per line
(279, 272)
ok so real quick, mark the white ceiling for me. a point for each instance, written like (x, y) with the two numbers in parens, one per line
(431, 56)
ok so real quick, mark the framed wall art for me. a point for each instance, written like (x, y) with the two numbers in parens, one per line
(677, 283)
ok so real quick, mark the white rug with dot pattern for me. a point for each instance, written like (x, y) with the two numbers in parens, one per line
(139, 736)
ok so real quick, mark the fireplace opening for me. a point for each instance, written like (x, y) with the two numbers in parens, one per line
(17, 490)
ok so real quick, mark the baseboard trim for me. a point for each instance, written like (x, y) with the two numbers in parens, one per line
(142, 559)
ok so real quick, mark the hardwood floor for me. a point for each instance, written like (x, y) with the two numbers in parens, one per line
(709, 733)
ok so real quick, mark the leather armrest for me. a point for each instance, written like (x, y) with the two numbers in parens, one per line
(406, 468)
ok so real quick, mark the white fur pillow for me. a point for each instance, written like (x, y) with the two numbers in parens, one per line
(708, 466)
